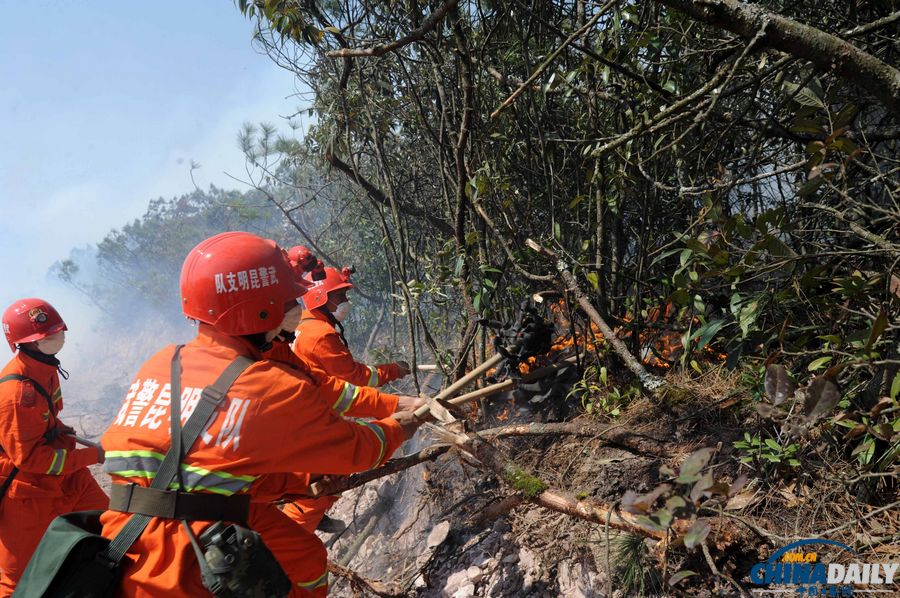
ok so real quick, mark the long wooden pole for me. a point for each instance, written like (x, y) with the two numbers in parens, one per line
(462, 382)
(511, 383)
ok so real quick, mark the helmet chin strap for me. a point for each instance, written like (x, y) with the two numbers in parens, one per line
(44, 358)
(334, 322)
(286, 336)
(259, 341)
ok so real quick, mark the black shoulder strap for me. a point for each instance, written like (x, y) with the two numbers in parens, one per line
(41, 390)
(182, 441)
(8, 482)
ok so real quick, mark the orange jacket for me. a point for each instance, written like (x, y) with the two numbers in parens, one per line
(345, 398)
(273, 421)
(265, 425)
(319, 344)
(26, 421)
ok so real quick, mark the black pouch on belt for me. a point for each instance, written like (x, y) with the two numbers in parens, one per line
(234, 562)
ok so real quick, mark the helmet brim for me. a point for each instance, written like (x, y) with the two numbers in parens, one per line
(41, 335)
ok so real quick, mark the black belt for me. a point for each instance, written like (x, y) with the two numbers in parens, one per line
(171, 504)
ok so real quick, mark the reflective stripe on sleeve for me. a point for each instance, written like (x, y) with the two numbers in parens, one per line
(379, 433)
(145, 464)
(314, 584)
(59, 461)
(345, 401)
(373, 375)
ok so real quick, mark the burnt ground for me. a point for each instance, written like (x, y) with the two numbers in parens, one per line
(448, 529)
(526, 550)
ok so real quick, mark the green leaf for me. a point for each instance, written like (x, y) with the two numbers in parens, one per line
(577, 200)
(878, 327)
(690, 469)
(664, 517)
(705, 333)
(680, 576)
(605, 381)
(642, 503)
(670, 86)
(773, 445)
(895, 386)
(804, 95)
(460, 262)
(819, 363)
(594, 279)
(747, 317)
(697, 534)
(664, 255)
(843, 145)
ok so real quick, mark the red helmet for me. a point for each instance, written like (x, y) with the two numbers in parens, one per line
(238, 282)
(303, 261)
(29, 320)
(333, 281)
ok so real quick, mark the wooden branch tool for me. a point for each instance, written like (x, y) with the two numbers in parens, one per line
(85, 441)
(442, 414)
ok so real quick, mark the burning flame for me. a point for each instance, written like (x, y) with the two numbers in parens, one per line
(660, 346)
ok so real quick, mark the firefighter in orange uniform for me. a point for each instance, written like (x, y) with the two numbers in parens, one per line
(320, 344)
(42, 474)
(320, 335)
(241, 289)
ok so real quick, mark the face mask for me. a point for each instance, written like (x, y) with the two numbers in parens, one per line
(288, 324)
(342, 311)
(51, 345)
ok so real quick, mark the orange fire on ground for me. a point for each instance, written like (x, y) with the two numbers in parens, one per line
(660, 347)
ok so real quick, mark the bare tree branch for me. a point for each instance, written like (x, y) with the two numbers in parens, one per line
(825, 50)
(413, 36)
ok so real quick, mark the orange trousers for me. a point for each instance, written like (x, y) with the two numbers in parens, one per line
(308, 512)
(24, 520)
(162, 563)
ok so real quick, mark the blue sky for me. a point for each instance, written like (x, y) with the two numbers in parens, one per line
(103, 105)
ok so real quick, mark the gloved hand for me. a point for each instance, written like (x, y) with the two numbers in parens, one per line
(409, 422)
(404, 368)
(408, 403)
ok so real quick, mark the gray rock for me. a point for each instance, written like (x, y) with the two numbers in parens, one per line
(467, 591)
(456, 580)
(438, 534)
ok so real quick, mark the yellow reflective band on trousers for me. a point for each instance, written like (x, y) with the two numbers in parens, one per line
(379, 433)
(57, 395)
(373, 376)
(59, 461)
(345, 400)
(314, 584)
(145, 464)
